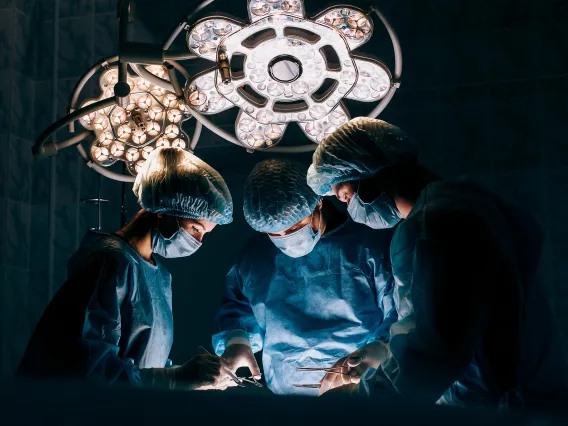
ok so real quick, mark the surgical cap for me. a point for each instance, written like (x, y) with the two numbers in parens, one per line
(356, 150)
(176, 183)
(276, 196)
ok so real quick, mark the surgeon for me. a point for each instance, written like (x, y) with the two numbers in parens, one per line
(111, 321)
(312, 288)
(474, 328)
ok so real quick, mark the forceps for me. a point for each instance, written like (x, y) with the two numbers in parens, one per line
(332, 370)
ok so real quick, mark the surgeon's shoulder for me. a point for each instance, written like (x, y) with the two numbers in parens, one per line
(113, 250)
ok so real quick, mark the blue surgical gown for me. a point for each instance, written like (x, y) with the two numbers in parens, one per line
(474, 327)
(313, 310)
(110, 318)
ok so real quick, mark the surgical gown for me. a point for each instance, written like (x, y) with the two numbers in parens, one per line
(474, 327)
(111, 317)
(312, 310)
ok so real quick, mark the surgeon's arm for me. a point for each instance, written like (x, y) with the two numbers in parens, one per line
(102, 326)
(385, 302)
(235, 320)
(240, 334)
(452, 267)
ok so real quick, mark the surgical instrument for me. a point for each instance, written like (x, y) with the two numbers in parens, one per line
(229, 373)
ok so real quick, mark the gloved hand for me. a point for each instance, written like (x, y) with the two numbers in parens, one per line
(240, 355)
(354, 366)
(203, 372)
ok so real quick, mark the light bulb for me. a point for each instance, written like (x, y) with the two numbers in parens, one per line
(290, 6)
(163, 143)
(216, 103)
(247, 124)
(146, 151)
(174, 115)
(101, 153)
(153, 128)
(359, 21)
(157, 70)
(100, 122)
(264, 116)
(117, 149)
(178, 143)
(273, 132)
(145, 101)
(123, 132)
(170, 100)
(314, 128)
(118, 116)
(111, 77)
(108, 93)
(260, 8)
(337, 117)
(201, 33)
(139, 137)
(132, 154)
(171, 131)
(334, 18)
(156, 113)
(106, 138)
(139, 165)
(158, 91)
(255, 140)
(197, 98)
(131, 104)
(143, 84)
(317, 111)
(207, 47)
(222, 28)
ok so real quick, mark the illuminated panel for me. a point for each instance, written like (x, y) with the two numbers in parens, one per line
(259, 9)
(204, 38)
(152, 116)
(318, 130)
(373, 83)
(353, 23)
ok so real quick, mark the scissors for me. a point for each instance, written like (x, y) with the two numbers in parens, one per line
(238, 380)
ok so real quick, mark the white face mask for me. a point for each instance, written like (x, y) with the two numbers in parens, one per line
(381, 213)
(300, 242)
(180, 244)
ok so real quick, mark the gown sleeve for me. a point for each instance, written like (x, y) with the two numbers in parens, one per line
(235, 317)
(383, 281)
(115, 280)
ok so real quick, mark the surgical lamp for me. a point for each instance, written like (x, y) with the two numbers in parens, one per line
(279, 68)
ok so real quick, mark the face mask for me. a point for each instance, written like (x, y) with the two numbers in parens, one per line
(379, 214)
(181, 244)
(300, 242)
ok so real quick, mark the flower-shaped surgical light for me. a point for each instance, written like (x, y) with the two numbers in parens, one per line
(285, 68)
(151, 119)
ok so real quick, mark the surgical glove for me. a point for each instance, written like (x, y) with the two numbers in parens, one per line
(240, 355)
(354, 366)
(203, 372)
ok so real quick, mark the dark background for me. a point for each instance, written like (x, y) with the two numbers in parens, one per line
(484, 91)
